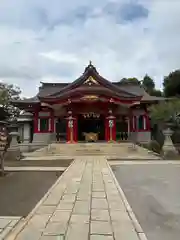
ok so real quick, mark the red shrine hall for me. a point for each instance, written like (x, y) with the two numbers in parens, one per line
(91, 108)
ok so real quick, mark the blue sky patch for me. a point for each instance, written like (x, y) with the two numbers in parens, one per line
(133, 11)
(126, 12)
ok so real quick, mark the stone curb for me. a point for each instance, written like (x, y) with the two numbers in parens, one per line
(117, 163)
(134, 159)
(4, 234)
(14, 233)
(35, 169)
(129, 210)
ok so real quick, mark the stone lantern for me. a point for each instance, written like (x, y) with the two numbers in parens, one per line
(169, 149)
(24, 120)
(14, 149)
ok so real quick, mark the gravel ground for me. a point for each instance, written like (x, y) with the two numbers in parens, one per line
(41, 163)
(21, 191)
(153, 192)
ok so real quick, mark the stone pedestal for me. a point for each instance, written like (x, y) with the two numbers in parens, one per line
(13, 152)
(133, 138)
(169, 151)
(24, 122)
(26, 136)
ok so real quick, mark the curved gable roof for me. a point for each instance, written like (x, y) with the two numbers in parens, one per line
(90, 71)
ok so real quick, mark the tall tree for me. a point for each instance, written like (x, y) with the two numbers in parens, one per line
(149, 85)
(172, 84)
(8, 92)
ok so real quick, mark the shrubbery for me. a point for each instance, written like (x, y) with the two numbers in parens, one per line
(153, 145)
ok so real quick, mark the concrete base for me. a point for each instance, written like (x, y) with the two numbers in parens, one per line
(43, 138)
(140, 137)
(13, 155)
(143, 137)
(13, 152)
(30, 147)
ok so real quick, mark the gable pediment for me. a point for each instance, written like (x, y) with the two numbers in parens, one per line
(91, 81)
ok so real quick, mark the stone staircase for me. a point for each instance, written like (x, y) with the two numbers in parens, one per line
(79, 149)
(111, 150)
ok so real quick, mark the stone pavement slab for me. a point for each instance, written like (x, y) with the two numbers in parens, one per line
(85, 203)
(7, 224)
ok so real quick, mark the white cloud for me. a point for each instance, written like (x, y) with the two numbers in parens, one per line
(58, 56)
(42, 40)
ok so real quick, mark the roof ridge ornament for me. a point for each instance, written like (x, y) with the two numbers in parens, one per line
(90, 67)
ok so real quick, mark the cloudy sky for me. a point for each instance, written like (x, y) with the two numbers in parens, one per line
(52, 41)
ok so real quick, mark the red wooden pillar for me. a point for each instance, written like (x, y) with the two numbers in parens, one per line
(147, 122)
(52, 121)
(110, 127)
(135, 127)
(75, 128)
(130, 122)
(106, 129)
(71, 128)
(36, 121)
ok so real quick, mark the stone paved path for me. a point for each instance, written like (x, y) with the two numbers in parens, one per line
(7, 224)
(84, 204)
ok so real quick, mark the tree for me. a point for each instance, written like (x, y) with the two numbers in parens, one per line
(156, 92)
(165, 111)
(172, 84)
(8, 92)
(3, 114)
(130, 80)
(149, 86)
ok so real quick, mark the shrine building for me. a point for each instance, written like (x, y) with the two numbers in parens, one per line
(91, 108)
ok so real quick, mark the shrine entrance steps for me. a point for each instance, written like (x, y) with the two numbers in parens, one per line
(110, 150)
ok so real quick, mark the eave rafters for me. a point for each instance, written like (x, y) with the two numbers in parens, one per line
(90, 99)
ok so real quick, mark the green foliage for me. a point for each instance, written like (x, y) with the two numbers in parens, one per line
(165, 111)
(130, 80)
(9, 92)
(172, 84)
(156, 93)
(154, 146)
(148, 84)
(176, 139)
(157, 134)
